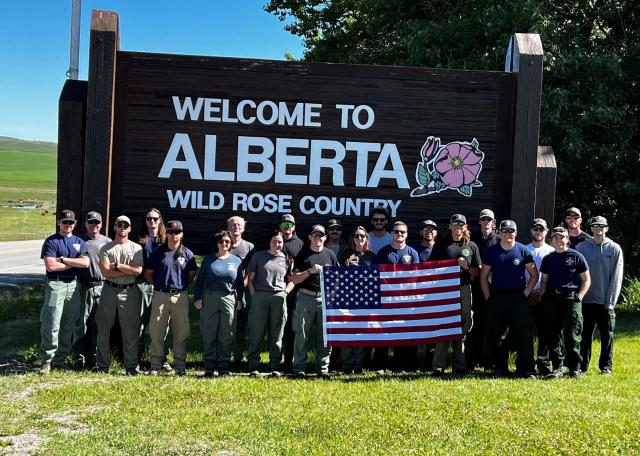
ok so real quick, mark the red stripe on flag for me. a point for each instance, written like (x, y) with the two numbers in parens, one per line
(435, 302)
(417, 266)
(396, 329)
(422, 278)
(387, 343)
(414, 316)
(419, 291)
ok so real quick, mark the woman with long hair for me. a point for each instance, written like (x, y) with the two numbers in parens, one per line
(215, 297)
(356, 254)
(170, 268)
(268, 273)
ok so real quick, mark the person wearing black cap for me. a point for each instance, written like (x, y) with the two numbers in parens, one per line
(506, 298)
(466, 252)
(427, 247)
(121, 260)
(606, 266)
(565, 280)
(292, 247)
(573, 220)
(64, 254)
(90, 284)
(307, 316)
(170, 268)
(334, 238)
(539, 249)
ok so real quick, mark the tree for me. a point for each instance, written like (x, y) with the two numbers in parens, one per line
(590, 87)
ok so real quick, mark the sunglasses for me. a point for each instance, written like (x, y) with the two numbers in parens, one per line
(68, 222)
(428, 228)
(598, 226)
(317, 235)
(94, 222)
(458, 224)
(379, 220)
(174, 232)
(398, 232)
(360, 236)
(124, 225)
(224, 241)
(537, 228)
(335, 229)
(508, 230)
(152, 219)
(287, 224)
(485, 219)
(572, 217)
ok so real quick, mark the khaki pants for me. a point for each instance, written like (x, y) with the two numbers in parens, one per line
(85, 333)
(459, 359)
(216, 324)
(268, 312)
(307, 323)
(169, 309)
(125, 303)
(60, 310)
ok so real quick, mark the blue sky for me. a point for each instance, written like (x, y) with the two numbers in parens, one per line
(35, 35)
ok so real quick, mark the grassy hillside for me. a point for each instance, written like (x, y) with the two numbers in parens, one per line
(28, 176)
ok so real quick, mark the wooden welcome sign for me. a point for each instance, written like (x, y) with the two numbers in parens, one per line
(203, 138)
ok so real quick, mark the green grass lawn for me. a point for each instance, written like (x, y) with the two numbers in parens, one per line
(27, 177)
(70, 413)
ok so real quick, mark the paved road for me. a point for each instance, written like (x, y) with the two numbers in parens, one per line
(20, 263)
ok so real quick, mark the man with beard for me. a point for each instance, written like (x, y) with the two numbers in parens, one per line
(573, 220)
(379, 236)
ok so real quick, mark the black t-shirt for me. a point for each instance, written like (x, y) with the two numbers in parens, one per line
(484, 243)
(457, 249)
(433, 253)
(575, 240)
(308, 258)
(293, 246)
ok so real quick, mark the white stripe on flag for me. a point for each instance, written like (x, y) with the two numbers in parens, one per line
(420, 297)
(419, 272)
(395, 336)
(393, 323)
(400, 311)
(415, 285)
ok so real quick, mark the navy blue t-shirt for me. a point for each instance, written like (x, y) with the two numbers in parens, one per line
(168, 271)
(389, 255)
(564, 269)
(56, 246)
(507, 266)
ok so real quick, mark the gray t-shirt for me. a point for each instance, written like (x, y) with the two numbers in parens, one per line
(376, 243)
(93, 273)
(242, 249)
(271, 271)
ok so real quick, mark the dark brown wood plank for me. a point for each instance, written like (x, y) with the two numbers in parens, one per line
(546, 185)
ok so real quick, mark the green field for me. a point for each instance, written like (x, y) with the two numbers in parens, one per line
(412, 414)
(28, 172)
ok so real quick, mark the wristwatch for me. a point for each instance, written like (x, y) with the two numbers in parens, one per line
(61, 260)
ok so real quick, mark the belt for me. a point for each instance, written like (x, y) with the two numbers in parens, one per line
(170, 290)
(91, 283)
(315, 294)
(565, 290)
(61, 279)
(119, 286)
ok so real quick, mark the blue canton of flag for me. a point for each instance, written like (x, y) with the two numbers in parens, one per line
(352, 287)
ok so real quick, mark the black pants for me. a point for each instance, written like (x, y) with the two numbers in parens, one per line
(563, 312)
(605, 319)
(288, 337)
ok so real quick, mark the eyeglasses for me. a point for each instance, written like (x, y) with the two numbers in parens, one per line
(399, 232)
(537, 228)
(152, 219)
(508, 230)
(224, 241)
(360, 236)
(174, 232)
(124, 225)
(485, 219)
(68, 222)
(379, 220)
(287, 224)
(94, 222)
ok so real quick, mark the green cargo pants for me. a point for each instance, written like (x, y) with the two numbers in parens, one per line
(307, 323)
(267, 314)
(60, 311)
(216, 325)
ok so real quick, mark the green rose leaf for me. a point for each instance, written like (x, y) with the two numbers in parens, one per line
(422, 175)
(465, 190)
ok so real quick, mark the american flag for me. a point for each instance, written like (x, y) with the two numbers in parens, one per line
(391, 304)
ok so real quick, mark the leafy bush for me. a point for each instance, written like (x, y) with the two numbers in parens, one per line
(630, 295)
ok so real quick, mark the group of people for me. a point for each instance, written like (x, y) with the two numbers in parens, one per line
(509, 293)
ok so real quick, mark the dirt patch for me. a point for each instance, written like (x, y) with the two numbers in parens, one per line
(23, 444)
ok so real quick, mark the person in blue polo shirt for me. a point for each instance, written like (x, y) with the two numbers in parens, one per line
(565, 281)
(170, 268)
(506, 298)
(63, 254)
